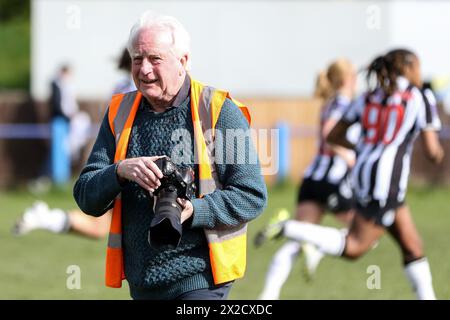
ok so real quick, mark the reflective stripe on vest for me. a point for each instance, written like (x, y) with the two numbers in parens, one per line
(227, 247)
(122, 110)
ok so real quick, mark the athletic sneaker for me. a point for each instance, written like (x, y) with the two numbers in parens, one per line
(274, 229)
(31, 219)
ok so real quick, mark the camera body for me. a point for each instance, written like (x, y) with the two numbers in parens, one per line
(166, 227)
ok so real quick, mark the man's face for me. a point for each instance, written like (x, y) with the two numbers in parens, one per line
(157, 72)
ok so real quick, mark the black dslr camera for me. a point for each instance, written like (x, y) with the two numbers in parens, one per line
(165, 227)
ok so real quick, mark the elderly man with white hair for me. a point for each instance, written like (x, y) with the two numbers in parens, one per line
(172, 114)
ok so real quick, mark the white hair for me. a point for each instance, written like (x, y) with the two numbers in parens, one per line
(181, 41)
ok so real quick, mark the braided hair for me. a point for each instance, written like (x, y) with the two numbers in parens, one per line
(388, 67)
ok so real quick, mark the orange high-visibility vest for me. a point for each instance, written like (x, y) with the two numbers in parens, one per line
(227, 246)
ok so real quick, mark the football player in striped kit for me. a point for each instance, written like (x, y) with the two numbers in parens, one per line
(392, 116)
(325, 185)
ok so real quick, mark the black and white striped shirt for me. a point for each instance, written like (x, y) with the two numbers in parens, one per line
(326, 165)
(389, 128)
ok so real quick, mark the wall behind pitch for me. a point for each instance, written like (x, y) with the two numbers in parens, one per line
(252, 48)
(423, 26)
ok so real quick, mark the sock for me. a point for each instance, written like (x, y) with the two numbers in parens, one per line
(279, 270)
(419, 274)
(56, 220)
(328, 240)
(312, 256)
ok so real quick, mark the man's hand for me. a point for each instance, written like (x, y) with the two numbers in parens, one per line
(142, 170)
(188, 209)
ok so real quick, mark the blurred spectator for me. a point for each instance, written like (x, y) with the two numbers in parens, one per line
(63, 104)
(126, 84)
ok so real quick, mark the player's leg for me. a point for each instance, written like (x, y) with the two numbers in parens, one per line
(345, 217)
(309, 208)
(312, 212)
(283, 260)
(360, 238)
(309, 211)
(416, 265)
(40, 216)
(338, 199)
(94, 227)
(312, 255)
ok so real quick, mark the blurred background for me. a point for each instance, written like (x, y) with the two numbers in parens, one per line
(267, 54)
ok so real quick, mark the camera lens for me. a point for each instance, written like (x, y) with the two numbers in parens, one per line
(166, 227)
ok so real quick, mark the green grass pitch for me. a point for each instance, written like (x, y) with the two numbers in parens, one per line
(35, 266)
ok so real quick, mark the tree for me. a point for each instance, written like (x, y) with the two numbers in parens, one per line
(12, 9)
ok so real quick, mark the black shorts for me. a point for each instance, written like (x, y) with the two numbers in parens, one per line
(336, 198)
(382, 215)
